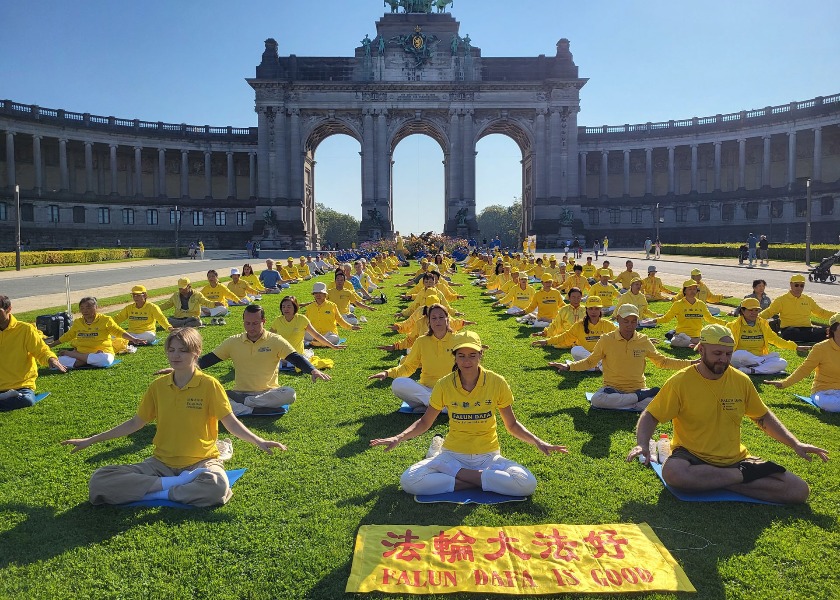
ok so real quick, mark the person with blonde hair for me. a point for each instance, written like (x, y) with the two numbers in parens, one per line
(186, 405)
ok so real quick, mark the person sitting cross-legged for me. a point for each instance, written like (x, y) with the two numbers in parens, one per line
(795, 309)
(706, 403)
(325, 316)
(704, 293)
(469, 456)
(186, 405)
(604, 290)
(752, 336)
(188, 304)
(583, 335)
(241, 287)
(23, 348)
(220, 294)
(142, 316)
(544, 305)
(690, 314)
(622, 354)
(293, 327)
(518, 297)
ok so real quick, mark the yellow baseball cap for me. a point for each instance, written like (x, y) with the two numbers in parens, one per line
(797, 278)
(432, 299)
(546, 277)
(139, 289)
(466, 339)
(689, 283)
(695, 272)
(523, 276)
(183, 282)
(594, 302)
(835, 318)
(750, 303)
(604, 272)
(635, 280)
(718, 335)
(627, 310)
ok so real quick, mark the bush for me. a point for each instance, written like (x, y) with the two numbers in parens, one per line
(59, 257)
(790, 252)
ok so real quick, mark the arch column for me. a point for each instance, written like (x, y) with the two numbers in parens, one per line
(296, 158)
(649, 171)
(383, 169)
(540, 169)
(742, 163)
(208, 175)
(456, 179)
(368, 162)
(252, 175)
(468, 145)
(555, 154)
(626, 187)
(10, 160)
(62, 165)
(817, 164)
(185, 174)
(112, 163)
(582, 179)
(38, 164)
(603, 192)
(138, 171)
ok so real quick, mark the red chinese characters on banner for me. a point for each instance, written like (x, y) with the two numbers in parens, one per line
(405, 549)
(453, 548)
(601, 539)
(556, 545)
(505, 546)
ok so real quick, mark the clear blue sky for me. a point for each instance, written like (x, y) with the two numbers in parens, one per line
(649, 60)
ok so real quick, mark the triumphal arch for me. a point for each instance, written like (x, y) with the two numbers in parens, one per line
(418, 74)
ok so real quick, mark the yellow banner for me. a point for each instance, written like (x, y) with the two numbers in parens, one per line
(533, 559)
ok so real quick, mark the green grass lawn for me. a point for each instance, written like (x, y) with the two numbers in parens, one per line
(290, 528)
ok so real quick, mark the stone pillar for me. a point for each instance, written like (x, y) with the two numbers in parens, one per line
(138, 171)
(265, 148)
(208, 175)
(468, 144)
(383, 167)
(112, 160)
(455, 169)
(649, 171)
(540, 178)
(368, 162)
(555, 150)
(791, 158)
(162, 173)
(10, 159)
(817, 173)
(38, 164)
(765, 170)
(717, 166)
(694, 168)
(185, 174)
(280, 170)
(296, 157)
(570, 148)
(88, 168)
(671, 186)
(231, 177)
(626, 187)
(582, 175)
(252, 175)
(62, 165)
(605, 161)
(742, 163)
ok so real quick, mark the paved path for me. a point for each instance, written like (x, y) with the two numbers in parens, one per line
(43, 287)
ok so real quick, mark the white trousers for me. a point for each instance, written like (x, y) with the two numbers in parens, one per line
(146, 336)
(681, 340)
(828, 400)
(713, 310)
(579, 353)
(351, 318)
(216, 311)
(498, 474)
(331, 337)
(411, 392)
(618, 399)
(95, 359)
(515, 310)
(753, 363)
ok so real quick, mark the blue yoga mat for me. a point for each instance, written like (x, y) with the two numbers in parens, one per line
(113, 364)
(408, 410)
(708, 496)
(589, 396)
(342, 341)
(807, 399)
(269, 412)
(39, 397)
(475, 496)
(233, 477)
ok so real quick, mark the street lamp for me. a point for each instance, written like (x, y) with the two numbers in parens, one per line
(17, 236)
(177, 229)
(808, 221)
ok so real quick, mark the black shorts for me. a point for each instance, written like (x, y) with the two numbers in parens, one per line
(682, 453)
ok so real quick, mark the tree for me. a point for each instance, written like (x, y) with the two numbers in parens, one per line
(504, 221)
(335, 227)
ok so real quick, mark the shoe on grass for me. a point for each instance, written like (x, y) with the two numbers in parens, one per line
(436, 446)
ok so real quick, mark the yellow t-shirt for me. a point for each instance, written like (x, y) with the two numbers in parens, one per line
(653, 288)
(289, 272)
(343, 297)
(143, 319)
(194, 304)
(755, 338)
(707, 413)
(825, 359)
(793, 311)
(292, 331)
(242, 288)
(703, 293)
(576, 281)
(690, 317)
(624, 360)
(625, 277)
(431, 355)
(325, 318)
(187, 418)
(547, 303)
(95, 337)
(255, 363)
(637, 300)
(577, 336)
(253, 280)
(606, 293)
(22, 348)
(567, 316)
(219, 293)
(589, 271)
(472, 415)
(518, 297)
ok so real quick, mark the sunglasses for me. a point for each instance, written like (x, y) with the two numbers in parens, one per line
(802, 285)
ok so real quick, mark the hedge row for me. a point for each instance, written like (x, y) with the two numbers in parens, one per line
(57, 257)
(789, 252)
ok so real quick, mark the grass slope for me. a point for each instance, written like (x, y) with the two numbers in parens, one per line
(289, 530)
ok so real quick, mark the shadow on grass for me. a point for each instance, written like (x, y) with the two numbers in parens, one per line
(139, 440)
(829, 418)
(370, 427)
(599, 424)
(44, 534)
(731, 528)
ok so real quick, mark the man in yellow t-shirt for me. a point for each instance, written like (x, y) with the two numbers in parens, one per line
(690, 314)
(142, 316)
(544, 305)
(256, 356)
(624, 353)
(217, 292)
(706, 403)
(625, 278)
(653, 287)
(795, 309)
(704, 293)
(325, 316)
(605, 291)
(23, 348)
(187, 304)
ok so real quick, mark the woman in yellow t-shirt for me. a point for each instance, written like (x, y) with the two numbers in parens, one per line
(583, 335)
(752, 336)
(293, 326)
(469, 456)
(421, 327)
(252, 278)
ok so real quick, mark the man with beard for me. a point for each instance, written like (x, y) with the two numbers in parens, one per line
(707, 403)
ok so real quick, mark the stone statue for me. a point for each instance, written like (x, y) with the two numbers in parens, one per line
(366, 45)
(566, 217)
(394, 4)
(381, 45)
(454, 43)
(442, 4)
(467, 44)
(461, 216)
(375, 216)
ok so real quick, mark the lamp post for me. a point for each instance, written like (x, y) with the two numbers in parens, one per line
(657, 221)
(177, 229)
(808, 221)
(17, 235)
